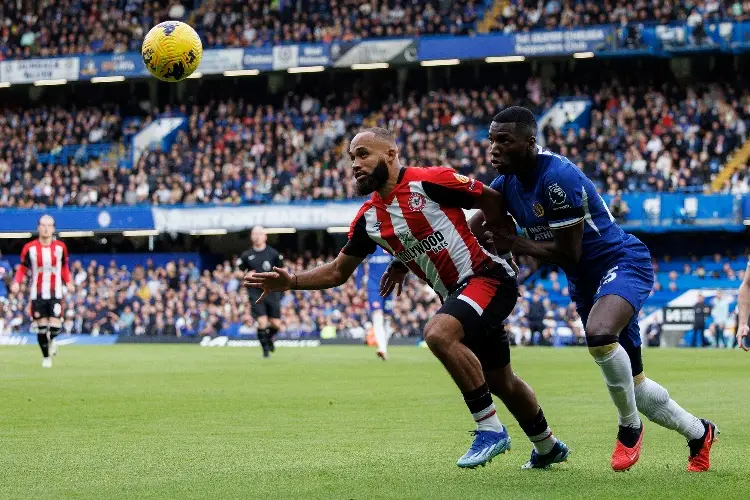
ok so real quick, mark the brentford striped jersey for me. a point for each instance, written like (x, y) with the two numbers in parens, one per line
(48, 266)
(422, 223)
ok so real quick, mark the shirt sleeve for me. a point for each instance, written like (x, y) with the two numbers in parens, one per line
(360, 244)
(446, 187)
(24, 266)
(241, 264)
(279, 260)
(563, 198)
(497, 184)
(66, 277)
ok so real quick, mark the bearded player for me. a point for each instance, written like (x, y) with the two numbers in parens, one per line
(46, 259)
(610, 275)
(416, 214)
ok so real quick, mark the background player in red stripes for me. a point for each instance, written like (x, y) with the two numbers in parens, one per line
(46, 260)
(416, 214)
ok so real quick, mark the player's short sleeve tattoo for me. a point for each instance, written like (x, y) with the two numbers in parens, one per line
(360, 244)
(563, 199)
(447, 187)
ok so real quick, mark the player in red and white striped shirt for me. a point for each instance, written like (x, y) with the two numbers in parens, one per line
(416, 214)
(46, 260)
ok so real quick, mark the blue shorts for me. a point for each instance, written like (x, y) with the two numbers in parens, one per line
(377, 302)
(630, 277)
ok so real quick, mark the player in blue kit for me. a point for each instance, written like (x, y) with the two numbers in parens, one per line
(565, 222)
(381, 308)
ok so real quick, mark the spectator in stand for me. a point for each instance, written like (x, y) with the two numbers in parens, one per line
(619, 208)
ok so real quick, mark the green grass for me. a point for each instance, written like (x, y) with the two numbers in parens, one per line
(336, 423)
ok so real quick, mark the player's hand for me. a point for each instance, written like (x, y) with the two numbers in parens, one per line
(14, 287)
(742, 333)
(501, 234)
(393, 277)
(277, 281)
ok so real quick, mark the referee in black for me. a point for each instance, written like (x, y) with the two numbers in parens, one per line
(262, 258)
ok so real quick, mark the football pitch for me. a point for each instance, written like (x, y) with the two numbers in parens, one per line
(168, 422)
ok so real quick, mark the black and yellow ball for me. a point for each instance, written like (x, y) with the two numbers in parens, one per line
(172, 51)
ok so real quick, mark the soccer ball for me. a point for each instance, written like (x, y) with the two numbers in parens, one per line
(172, 51)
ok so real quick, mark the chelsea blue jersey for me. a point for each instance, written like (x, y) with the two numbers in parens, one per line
(377, 263)
(561, 196)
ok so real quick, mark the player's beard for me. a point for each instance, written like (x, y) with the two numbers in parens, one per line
(369, 183)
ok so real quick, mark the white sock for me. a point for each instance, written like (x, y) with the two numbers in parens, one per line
(487, 419)
(544, 442)
(653, 401)
(381, 334)
(615, 366)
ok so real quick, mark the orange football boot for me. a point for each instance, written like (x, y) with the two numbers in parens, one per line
(623, 457)
(700, 449)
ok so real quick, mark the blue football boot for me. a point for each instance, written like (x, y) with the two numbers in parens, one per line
(486, 446)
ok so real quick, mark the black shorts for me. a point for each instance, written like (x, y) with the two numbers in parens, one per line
(46, 308)
(482, 304)
(269, 306)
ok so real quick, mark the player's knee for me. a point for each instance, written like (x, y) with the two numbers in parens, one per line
(439, 334)
(601, 344)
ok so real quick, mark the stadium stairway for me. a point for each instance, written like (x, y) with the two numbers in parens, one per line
(739, 158)
(490, 15)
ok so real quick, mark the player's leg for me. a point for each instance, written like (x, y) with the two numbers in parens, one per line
(39, 317)
(261, 318)
(609, 315)
(444, 334)
(378, 326)
(54, 325)
(654, 402)
(273, 309)
(621, 294)
(493, 351)
(520, 399)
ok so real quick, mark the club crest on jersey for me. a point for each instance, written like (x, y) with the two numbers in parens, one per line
(461, 178)
(556, 194)
(538, 209)
(416, 202)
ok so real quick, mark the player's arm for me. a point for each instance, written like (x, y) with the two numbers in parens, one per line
(564, 213)
(330, 275)
(322, 277)
(65, 273)
(23, 268)
(743, 310)
(241, 262)
(447, 188)
(564, 250)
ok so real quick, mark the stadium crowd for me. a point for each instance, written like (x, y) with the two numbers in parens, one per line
(525, 15)
(66, 27)
(49, 28)
(179, 299)
(641, 138)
